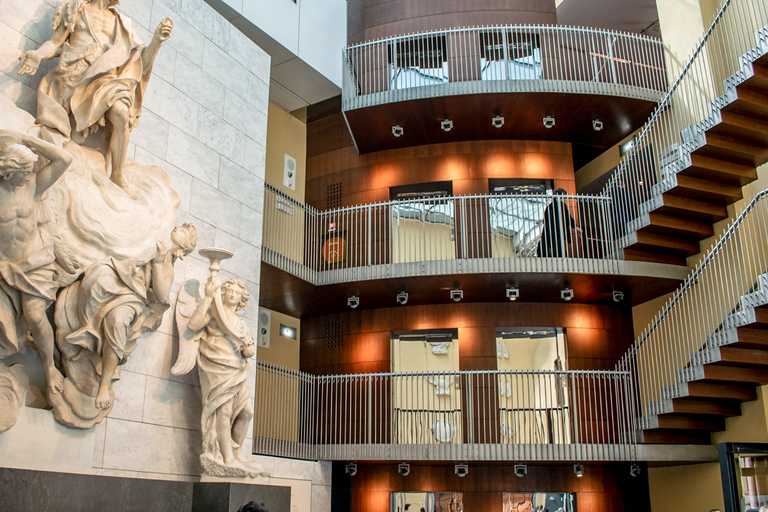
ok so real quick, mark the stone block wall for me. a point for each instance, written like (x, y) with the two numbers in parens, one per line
(204, 121)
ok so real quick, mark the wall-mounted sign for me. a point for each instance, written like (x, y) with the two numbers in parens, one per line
(334, 249)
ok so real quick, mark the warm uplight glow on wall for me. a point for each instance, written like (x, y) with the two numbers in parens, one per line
(452, 168)
(386, 175)
(498, 165)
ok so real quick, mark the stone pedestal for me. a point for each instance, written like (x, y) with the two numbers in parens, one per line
(222, 496)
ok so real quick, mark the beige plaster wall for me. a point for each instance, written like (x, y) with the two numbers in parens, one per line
(286, 134)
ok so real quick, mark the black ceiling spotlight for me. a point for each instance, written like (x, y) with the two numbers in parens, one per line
(597, 125)
(353, 301)
(402, 298)
(497, 121)
(549, 122)
(397, 130)
(446, 125)
(404, 468)
(457, 294)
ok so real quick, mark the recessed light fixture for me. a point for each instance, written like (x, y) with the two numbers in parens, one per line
(446, 125)
(618, 296)
(402, 298)
(404, 468)
(597, 125)
(513, 293)
(461, 470)
(457, 295)
(397, 130)
(566, 294)
(578, 469)
(549, 122)
(353, 301)
(287, 331)
(497, 121)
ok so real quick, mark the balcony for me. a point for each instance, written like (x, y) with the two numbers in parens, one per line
(436, 239)
(464, 415)
(530, 71)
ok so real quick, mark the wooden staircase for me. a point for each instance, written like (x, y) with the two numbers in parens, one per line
(705, 174)
(717, 379)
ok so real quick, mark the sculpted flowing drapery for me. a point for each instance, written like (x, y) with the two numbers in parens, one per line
(86, 82)
(219, 341)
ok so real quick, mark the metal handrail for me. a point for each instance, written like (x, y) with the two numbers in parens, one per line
(502, 58)
(520, 415)
(705, 83)
(717, 297)
(458, 234)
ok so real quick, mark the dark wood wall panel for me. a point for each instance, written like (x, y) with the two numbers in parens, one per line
(331, 158)
(597, 335)
(372, 19)
(604, 487)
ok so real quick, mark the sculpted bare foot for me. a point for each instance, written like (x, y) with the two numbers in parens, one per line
(55, 381)
(103, 399)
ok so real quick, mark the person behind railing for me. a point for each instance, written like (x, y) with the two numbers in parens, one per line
(558, 224)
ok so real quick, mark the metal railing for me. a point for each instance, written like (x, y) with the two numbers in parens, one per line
(700, 316)
(691, 106)
(510, 58)
(466, 415)
(463, 234)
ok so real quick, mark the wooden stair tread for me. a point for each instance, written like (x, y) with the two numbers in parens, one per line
(631, 254)
(726, 408)
(653, 242)
(691, 208)
(743, 127)
(713, 390)
(728, 373)
(743, 357)
(751, 337)
(674, 421)
(718, 170)
(733, 150)
(706, 190)
(748, 102)
(662, 436)
(677, 226)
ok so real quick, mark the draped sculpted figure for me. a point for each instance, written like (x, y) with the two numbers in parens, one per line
(100, 78)
(212, 334)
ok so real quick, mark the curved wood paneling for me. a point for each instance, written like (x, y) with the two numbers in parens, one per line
(603, 487)
(597, 335)
(373, 19)
(366, 178)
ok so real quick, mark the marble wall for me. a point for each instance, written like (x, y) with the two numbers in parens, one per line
(205, 122)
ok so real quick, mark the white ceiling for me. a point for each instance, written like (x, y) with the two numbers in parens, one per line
(627, 15)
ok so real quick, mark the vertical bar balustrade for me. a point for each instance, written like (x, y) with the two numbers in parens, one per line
(474, 415)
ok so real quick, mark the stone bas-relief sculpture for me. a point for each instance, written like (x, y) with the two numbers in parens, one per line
(100, 78)
(214, 336)
(100, 318)
(82, 226)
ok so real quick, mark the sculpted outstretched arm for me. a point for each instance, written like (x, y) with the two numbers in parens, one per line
(162, 33)
(30, 60)
(201, 316)
(162, 273)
